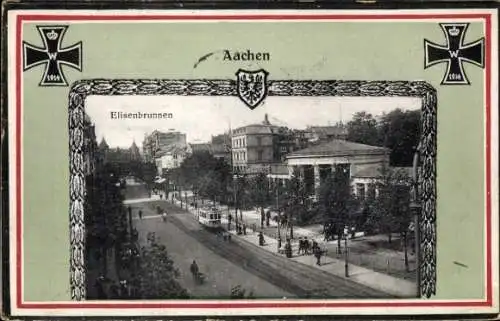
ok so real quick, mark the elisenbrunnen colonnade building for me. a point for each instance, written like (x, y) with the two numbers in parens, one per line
(361, 163)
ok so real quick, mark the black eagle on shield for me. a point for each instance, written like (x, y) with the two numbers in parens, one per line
(252, 86)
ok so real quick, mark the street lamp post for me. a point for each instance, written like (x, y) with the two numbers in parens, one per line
(346, 253)
(279, 217)
(235, 179)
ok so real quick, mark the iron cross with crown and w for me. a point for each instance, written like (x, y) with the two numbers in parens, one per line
(52, 55)
(454, 53)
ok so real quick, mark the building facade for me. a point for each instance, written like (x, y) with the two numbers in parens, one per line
(288, 140)
(154, 143)
(220, 146)
(90, 147)
(360, 162)
(171, 157)
(252, 147)
(135, 154)
(324, 133)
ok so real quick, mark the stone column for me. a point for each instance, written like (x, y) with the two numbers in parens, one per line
(290, 170)
(366, 190)
(301, 173)
(317, 180)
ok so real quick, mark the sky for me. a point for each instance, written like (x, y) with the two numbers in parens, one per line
(200, 117)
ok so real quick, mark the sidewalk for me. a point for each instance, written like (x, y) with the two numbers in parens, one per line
(329, 263)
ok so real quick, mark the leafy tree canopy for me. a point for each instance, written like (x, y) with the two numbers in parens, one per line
(398, 130)
(157, 276)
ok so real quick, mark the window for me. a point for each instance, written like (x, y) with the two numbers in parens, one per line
(259, 155)
(360, 190)
(371, 191)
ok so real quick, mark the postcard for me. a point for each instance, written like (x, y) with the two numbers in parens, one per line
(252, 162)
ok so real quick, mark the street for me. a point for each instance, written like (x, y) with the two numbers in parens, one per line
(233, 263)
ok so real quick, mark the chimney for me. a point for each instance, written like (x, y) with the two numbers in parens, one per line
(266, 120)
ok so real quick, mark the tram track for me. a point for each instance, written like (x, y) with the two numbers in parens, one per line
(302, 280)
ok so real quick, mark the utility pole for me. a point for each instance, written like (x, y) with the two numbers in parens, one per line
(235, 187)
(130, 219)
(346, 253)
(279, 216)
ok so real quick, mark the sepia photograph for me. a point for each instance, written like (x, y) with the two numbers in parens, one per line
(201, 197)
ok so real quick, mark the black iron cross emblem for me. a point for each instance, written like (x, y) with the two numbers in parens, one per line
(52, 55)
(455, 53)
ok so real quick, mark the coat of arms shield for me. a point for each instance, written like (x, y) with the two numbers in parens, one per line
(251, 86)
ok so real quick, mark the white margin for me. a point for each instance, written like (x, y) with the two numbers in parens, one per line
(255, 311)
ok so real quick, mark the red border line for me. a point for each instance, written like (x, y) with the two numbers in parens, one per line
(19, 231)
(45, 17)
(489, 286)
(208, 305)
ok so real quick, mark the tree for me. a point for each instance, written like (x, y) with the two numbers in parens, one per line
(156, 277)
(296, 201)
(209, 186)
(337, 204)
(105, 218)
(203, 173)
(400, 131)
(259, 190)
(363, 129)
(391, 209)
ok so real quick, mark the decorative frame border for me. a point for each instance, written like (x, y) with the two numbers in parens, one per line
(149, 87)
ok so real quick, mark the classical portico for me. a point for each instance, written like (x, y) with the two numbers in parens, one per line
(315, 163)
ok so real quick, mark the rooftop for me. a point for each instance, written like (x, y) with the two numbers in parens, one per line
(172, 149)
(278, 169)
(200, 147)
(260, 128)
(374, 171)
(338, 147)
(328, 130)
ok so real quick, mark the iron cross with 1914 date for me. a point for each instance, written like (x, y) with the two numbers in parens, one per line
(455, 53)
(52, 55)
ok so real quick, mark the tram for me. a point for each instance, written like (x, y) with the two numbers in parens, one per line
(210, 217)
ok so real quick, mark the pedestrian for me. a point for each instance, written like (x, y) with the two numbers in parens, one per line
(288, 248)
(244, 229)
(306, 245)
(268, 217)
(317, 253)
(140, 214)
(194, 270)
(301, 246)
(261, 239)
(314, 245)
(124, 289)
(114, 292)
(101, 294)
